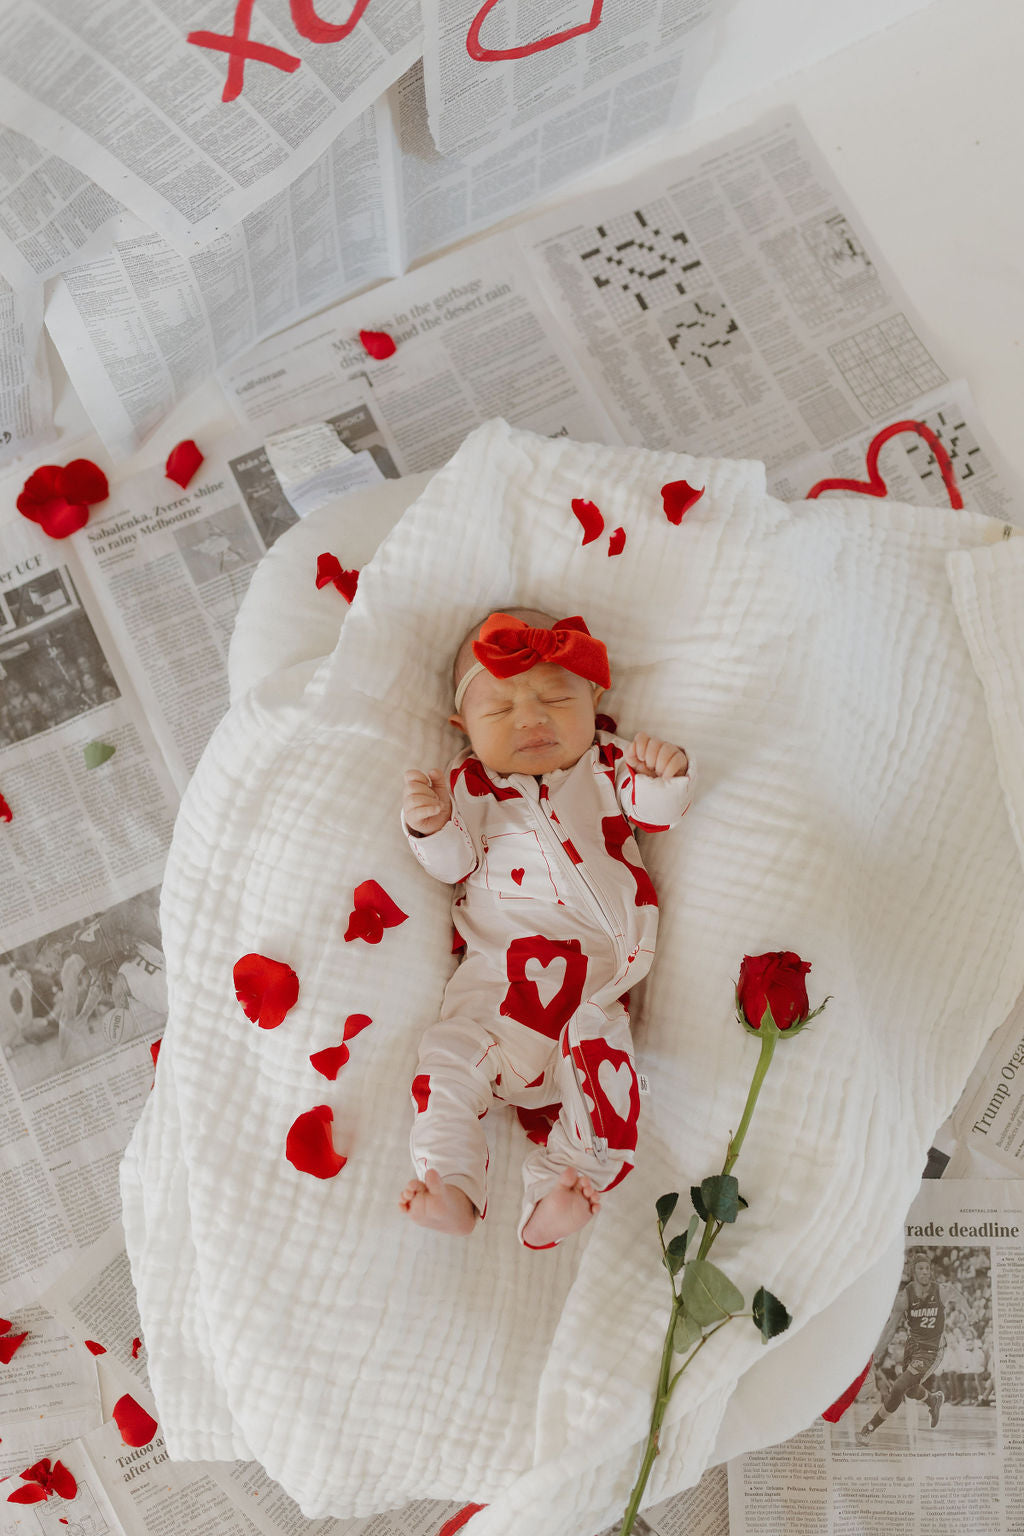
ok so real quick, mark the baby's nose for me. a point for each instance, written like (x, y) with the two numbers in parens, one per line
(531, 711)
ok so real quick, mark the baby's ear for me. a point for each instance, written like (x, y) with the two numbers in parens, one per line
(459, 723)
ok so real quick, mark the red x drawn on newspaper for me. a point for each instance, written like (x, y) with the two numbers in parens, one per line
(238, 44)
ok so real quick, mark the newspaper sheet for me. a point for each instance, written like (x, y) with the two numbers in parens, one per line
(445, 197)
(26, 404)
(727, 303)
(81, 971)
(50, 214)
(132, 104)
(731, 302)
(490, 75)
(700, 1511)
(935, 1439)
(171, 567)
(474, 341)
(986, 1129)
(141, 325)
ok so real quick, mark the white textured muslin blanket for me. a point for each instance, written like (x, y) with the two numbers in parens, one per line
(850, 808)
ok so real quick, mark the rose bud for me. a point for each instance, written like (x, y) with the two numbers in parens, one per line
(774, 982)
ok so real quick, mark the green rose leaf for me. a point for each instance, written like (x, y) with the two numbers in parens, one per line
(675, 1253)
(97, 752)
(685, 1333)
(707, 1294)
(769, 1314)
(698, 1202)
(720, 1195)
(664, 1207)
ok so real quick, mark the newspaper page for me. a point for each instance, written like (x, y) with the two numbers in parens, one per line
(491, 72)
(445, 197)
(51, 216)
(48, 1392)
(474, 341)
(26, 402)
(132, 104)
(987, 1126)
(171, 567)
(730, 303)
(726, 304)
(935, 1439)
(82, 992)
(141, 325)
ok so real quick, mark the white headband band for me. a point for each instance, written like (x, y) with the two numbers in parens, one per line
(460, 692)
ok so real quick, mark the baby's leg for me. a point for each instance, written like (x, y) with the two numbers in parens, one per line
(562, 1211)
(451, 1092)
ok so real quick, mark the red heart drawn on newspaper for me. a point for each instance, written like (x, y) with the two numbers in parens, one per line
(522, 1001)
(874, 485)
(485, 55)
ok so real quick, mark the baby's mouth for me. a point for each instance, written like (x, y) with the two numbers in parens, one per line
(538, 744)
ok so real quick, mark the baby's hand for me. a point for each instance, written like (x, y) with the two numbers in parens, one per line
(656, 759)
(426, 804)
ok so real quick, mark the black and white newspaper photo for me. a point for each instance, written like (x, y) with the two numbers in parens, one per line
(933, 1439)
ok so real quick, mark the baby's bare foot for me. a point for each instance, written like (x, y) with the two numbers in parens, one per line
(565, 1209)
(441, 1207)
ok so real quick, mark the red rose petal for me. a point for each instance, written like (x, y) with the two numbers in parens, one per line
(154, 1050)
(355, 1024)
(136, 1425)
(182, 462)
(136, 1346)
(605, 723)
(617, 542)
(420, 1089)
(309, 1147)
(57, 518)
(28, 1493)
(6, 814)
(590, 518)
(266, 989)
(42, 484)
(834, 1412)
(9, 1346)
(678, 497)
(463, 1517)
(378, 344)
(329, 572)
(39, 1472)
(96, 1349)
(5, 1325)
(365, 925)
(373, 896)
(82, 480)
(330, 1061)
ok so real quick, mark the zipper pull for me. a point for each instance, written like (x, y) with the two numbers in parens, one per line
(601, 1149)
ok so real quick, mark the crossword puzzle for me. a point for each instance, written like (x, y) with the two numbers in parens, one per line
(702, 332)
(886, 365)
(640, 261)
(960, 443)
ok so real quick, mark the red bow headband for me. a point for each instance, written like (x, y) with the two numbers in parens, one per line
(507, 646)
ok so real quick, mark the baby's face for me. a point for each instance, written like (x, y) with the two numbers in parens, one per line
(535, 722)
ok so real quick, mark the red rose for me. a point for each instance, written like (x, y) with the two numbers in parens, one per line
(774, 981)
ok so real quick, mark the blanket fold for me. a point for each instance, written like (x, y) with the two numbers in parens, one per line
(850, 808)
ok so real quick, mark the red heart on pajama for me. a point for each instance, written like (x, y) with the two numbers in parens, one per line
(485, 55)
(522, 1000)
(874, 485)
(609, 1081)
(517, 876)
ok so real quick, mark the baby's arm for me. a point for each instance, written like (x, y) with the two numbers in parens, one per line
(654, 780)
(436, 835)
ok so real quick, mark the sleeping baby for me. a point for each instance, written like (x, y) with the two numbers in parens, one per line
(558, 918)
